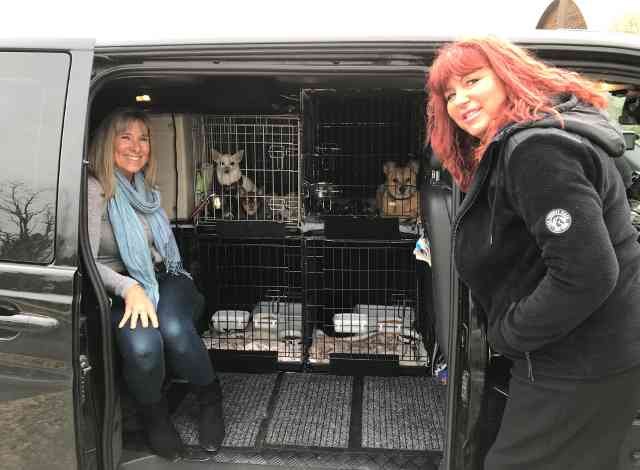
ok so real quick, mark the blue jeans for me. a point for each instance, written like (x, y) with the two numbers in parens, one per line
(147, 353)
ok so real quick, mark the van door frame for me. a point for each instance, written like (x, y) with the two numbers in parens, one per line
(135, 64)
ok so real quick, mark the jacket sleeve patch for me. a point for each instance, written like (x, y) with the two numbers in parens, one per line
(558, 221)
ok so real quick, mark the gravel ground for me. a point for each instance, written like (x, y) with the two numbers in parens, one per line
(35, 433)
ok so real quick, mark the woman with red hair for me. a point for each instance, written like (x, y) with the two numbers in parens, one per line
(544, 242)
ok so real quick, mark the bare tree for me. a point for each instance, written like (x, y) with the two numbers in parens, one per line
(26, 231)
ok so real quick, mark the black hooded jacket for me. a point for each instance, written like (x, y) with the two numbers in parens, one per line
(544, 241)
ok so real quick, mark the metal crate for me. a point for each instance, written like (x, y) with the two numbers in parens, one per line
(350, 138)
(254, 293)
(262, 157)
(364, 299)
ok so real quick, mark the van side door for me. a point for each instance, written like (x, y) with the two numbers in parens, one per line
(467, 362)
(43, 97)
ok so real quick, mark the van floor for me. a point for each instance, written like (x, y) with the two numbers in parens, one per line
(315, 420)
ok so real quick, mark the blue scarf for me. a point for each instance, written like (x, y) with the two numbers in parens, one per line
(123, 209)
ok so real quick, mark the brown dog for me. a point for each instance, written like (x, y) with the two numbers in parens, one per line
(398, 196)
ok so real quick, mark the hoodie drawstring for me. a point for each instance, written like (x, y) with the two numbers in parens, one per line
(495, 198)
(530, 366)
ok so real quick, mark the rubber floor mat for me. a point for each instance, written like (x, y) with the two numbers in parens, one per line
(245, 401)
(403, 413)
(336, 459)
(311, 410)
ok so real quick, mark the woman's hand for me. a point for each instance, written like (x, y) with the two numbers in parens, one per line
(138, 305)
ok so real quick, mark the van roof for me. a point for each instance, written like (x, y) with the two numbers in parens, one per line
(576, 37)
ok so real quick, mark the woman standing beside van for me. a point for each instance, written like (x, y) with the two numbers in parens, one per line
(153, 296)
(544, 242)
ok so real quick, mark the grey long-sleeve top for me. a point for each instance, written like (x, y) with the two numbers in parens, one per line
(103, 243)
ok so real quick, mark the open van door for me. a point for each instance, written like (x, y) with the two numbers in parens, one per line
(466, 349)
(43, 95)
(459, 331)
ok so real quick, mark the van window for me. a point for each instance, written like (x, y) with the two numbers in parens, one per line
(624, 109)
(33, 89)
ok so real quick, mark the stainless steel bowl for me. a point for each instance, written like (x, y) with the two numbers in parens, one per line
(326, 190)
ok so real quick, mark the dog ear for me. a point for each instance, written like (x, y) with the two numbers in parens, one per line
(388, 167)
(414, 165)
(238, 155)
(216, 155)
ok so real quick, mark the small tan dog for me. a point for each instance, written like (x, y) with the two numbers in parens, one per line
(228, 172)
(398, 196)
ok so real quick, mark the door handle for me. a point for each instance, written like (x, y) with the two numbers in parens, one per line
(16, 321)
(28, 323)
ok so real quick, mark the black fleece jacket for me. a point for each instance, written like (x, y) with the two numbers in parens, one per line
(543, 240)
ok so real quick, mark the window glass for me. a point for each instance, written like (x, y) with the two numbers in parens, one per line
(33, 88)
(624, 109)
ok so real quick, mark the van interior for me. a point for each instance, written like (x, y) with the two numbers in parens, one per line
(323, 256)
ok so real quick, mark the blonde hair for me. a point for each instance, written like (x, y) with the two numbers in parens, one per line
(101, 163)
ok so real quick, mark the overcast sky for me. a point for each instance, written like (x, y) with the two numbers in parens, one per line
(136, 20)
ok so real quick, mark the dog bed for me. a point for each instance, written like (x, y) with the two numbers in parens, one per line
(289, 348)
(407, 346)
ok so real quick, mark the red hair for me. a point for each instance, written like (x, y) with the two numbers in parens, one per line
(530, 86)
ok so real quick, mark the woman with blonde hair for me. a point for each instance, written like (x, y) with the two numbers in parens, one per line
(544, 242)
(153, 296)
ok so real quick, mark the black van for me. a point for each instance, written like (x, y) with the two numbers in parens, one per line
(338, 345)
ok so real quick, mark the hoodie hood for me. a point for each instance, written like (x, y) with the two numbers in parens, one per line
(579, 118)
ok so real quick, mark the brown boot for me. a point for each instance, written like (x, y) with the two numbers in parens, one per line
(211, 419)
(162, 436)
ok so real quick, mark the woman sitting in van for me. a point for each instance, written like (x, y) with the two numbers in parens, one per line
(139, 262)
(544, 242)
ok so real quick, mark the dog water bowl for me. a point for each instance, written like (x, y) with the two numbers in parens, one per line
(351, 323)
(230, 320)
(326, 190)
(386, 318)
(280, 324)
(265, 321)
(390, 325)
(278, 308)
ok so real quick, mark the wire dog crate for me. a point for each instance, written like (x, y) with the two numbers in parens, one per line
(255, 293)
(364, 150)
(247, 169)
(364, 300)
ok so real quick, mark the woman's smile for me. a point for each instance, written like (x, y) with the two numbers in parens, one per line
(131, 149)
(475, 100)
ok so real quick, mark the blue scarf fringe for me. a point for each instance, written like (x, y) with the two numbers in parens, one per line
(124, 208)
